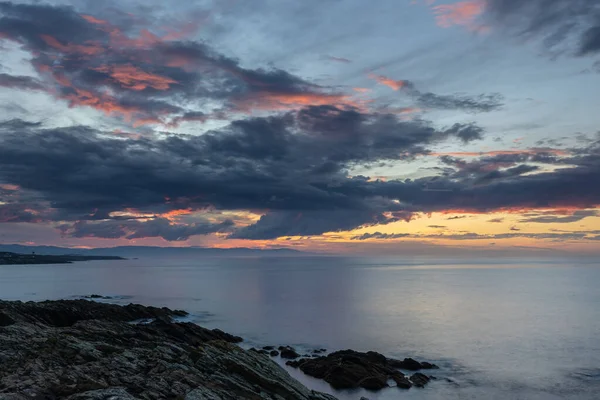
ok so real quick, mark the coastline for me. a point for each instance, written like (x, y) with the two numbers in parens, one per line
(86, 350)
(9, 258)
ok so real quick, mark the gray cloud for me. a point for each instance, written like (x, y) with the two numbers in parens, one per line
(151, 78)
(558, 219)
(134, 229)
(563, 25)
(20, 82)
(476, 236)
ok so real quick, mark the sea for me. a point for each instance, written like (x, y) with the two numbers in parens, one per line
(501, 328)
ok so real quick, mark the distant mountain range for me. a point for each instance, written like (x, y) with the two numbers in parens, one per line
(146, 251)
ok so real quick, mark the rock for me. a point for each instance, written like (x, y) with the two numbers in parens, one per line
(6, 320)
(348, 369)
(289, 353)
(103, 394)
(268, 347)
(410, 364)
(83, 350)
(419, 380)
(273, 353)
(426, 365)
(97, 296)
(375, 382)
(401, 381)
(364, 398)
(261, 351)
(295, 363)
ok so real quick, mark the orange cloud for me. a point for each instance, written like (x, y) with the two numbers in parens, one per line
(391, 83)
(289, 101)
(464, 13)
(403, 110)
(361, 89)
(93, 20)
(173, 214)
(135, 78)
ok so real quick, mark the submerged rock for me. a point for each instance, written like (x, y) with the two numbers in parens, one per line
(82, 350)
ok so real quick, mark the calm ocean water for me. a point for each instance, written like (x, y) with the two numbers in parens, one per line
(506, 329)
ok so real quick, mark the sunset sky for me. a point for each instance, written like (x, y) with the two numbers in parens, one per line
(330, 125)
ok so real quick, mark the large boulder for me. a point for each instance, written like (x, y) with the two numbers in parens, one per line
(349, 369)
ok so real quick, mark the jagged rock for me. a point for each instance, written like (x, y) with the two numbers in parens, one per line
(268, 347)
(273, 353)
(82, 350)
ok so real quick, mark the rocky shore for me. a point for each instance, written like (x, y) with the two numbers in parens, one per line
(85, 350)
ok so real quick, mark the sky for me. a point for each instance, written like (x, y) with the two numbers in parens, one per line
(340, 126)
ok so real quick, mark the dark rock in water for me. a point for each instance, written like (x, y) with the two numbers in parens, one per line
(273, 353)
(375, 382)
(350, 369)
(261, 351)
(401, 381)
(268, 347)
(84, 350)
(289, 353)
(364, 398)
(426, 365)
(295, 363)
(419, 379)
(411, 364)
(97, 296)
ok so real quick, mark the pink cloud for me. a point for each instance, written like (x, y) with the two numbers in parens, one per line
(464, 13)
(391, 83)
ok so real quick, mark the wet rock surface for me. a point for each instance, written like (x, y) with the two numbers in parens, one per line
(82, 350)
(349, 369)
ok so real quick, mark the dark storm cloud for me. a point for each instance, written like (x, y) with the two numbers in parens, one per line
(20, 82)
(134, 229)
(286, 223)
(293, 167)
(572, 25)
(295, 163)
(486, 169)
(155, 74)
